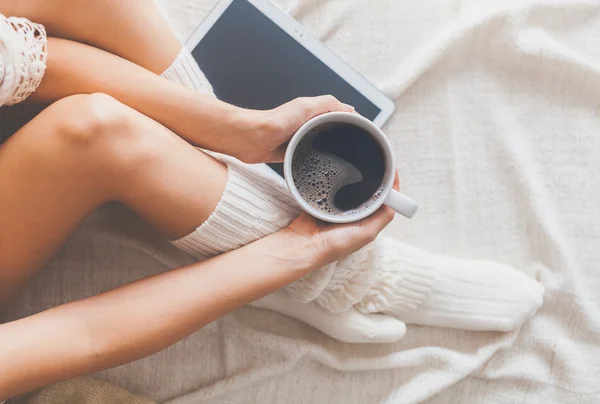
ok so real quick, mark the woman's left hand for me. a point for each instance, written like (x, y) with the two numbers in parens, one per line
(320, 243)
(266, 133)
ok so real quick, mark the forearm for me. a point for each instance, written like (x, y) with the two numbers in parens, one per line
(75, 68)
(143, 317)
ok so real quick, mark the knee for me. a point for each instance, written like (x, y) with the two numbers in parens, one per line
(93, 120)
(101, 127)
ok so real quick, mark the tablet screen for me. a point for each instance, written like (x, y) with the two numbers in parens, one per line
(252, 63)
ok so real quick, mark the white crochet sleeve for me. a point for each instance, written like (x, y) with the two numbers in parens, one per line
(23, 54)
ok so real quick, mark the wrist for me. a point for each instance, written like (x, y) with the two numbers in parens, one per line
(293, 253)
(243, 133)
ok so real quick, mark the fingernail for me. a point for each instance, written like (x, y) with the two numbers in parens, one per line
(350, 107)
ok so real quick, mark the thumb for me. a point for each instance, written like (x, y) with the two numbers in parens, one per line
(278, 154)
(305, 108)
(293, 114)
(349, 326)
(325, 103)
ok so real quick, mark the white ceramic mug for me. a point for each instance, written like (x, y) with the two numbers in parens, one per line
(392, 198)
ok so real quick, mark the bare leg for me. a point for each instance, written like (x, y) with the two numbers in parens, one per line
(81, 152)
(132, 29)
(76, 68)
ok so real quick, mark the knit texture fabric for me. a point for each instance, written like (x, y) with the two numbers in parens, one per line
(250, 208)
(339, 286)
(350, 326)
(23, 55)
(422, 288)
(404, 277)
(466, 294)
(184, 70)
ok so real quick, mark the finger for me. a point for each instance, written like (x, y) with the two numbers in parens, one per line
(396, 185)
(349, 108)
(314, 106)
(278, 154)
(378, 221)
(384, 215)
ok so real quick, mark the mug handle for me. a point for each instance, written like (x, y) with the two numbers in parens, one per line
(402, 204)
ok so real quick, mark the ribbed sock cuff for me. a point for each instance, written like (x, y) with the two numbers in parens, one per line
(251, 207)
(351, 280)
(184, 70)
(404, 278)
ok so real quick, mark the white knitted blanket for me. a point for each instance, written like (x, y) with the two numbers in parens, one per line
(497, 137)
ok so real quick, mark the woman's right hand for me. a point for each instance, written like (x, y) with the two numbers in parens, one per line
(261, 136)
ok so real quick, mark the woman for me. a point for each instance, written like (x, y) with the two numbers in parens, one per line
(126, 108)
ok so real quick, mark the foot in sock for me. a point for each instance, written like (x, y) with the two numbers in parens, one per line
(386, 277)
(349, 326)
(421, 288)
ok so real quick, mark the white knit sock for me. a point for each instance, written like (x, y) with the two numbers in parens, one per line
(421, 288)
(349, 326)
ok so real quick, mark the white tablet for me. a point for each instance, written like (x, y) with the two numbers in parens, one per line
(255, 56)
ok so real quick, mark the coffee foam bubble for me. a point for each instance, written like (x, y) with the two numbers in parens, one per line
(319, 175)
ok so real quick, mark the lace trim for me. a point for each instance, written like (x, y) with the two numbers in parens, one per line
(23, 56)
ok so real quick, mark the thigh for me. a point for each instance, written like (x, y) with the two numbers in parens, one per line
(43, 195)
(132, 29)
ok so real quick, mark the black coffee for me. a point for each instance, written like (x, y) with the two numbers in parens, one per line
(339, 168)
